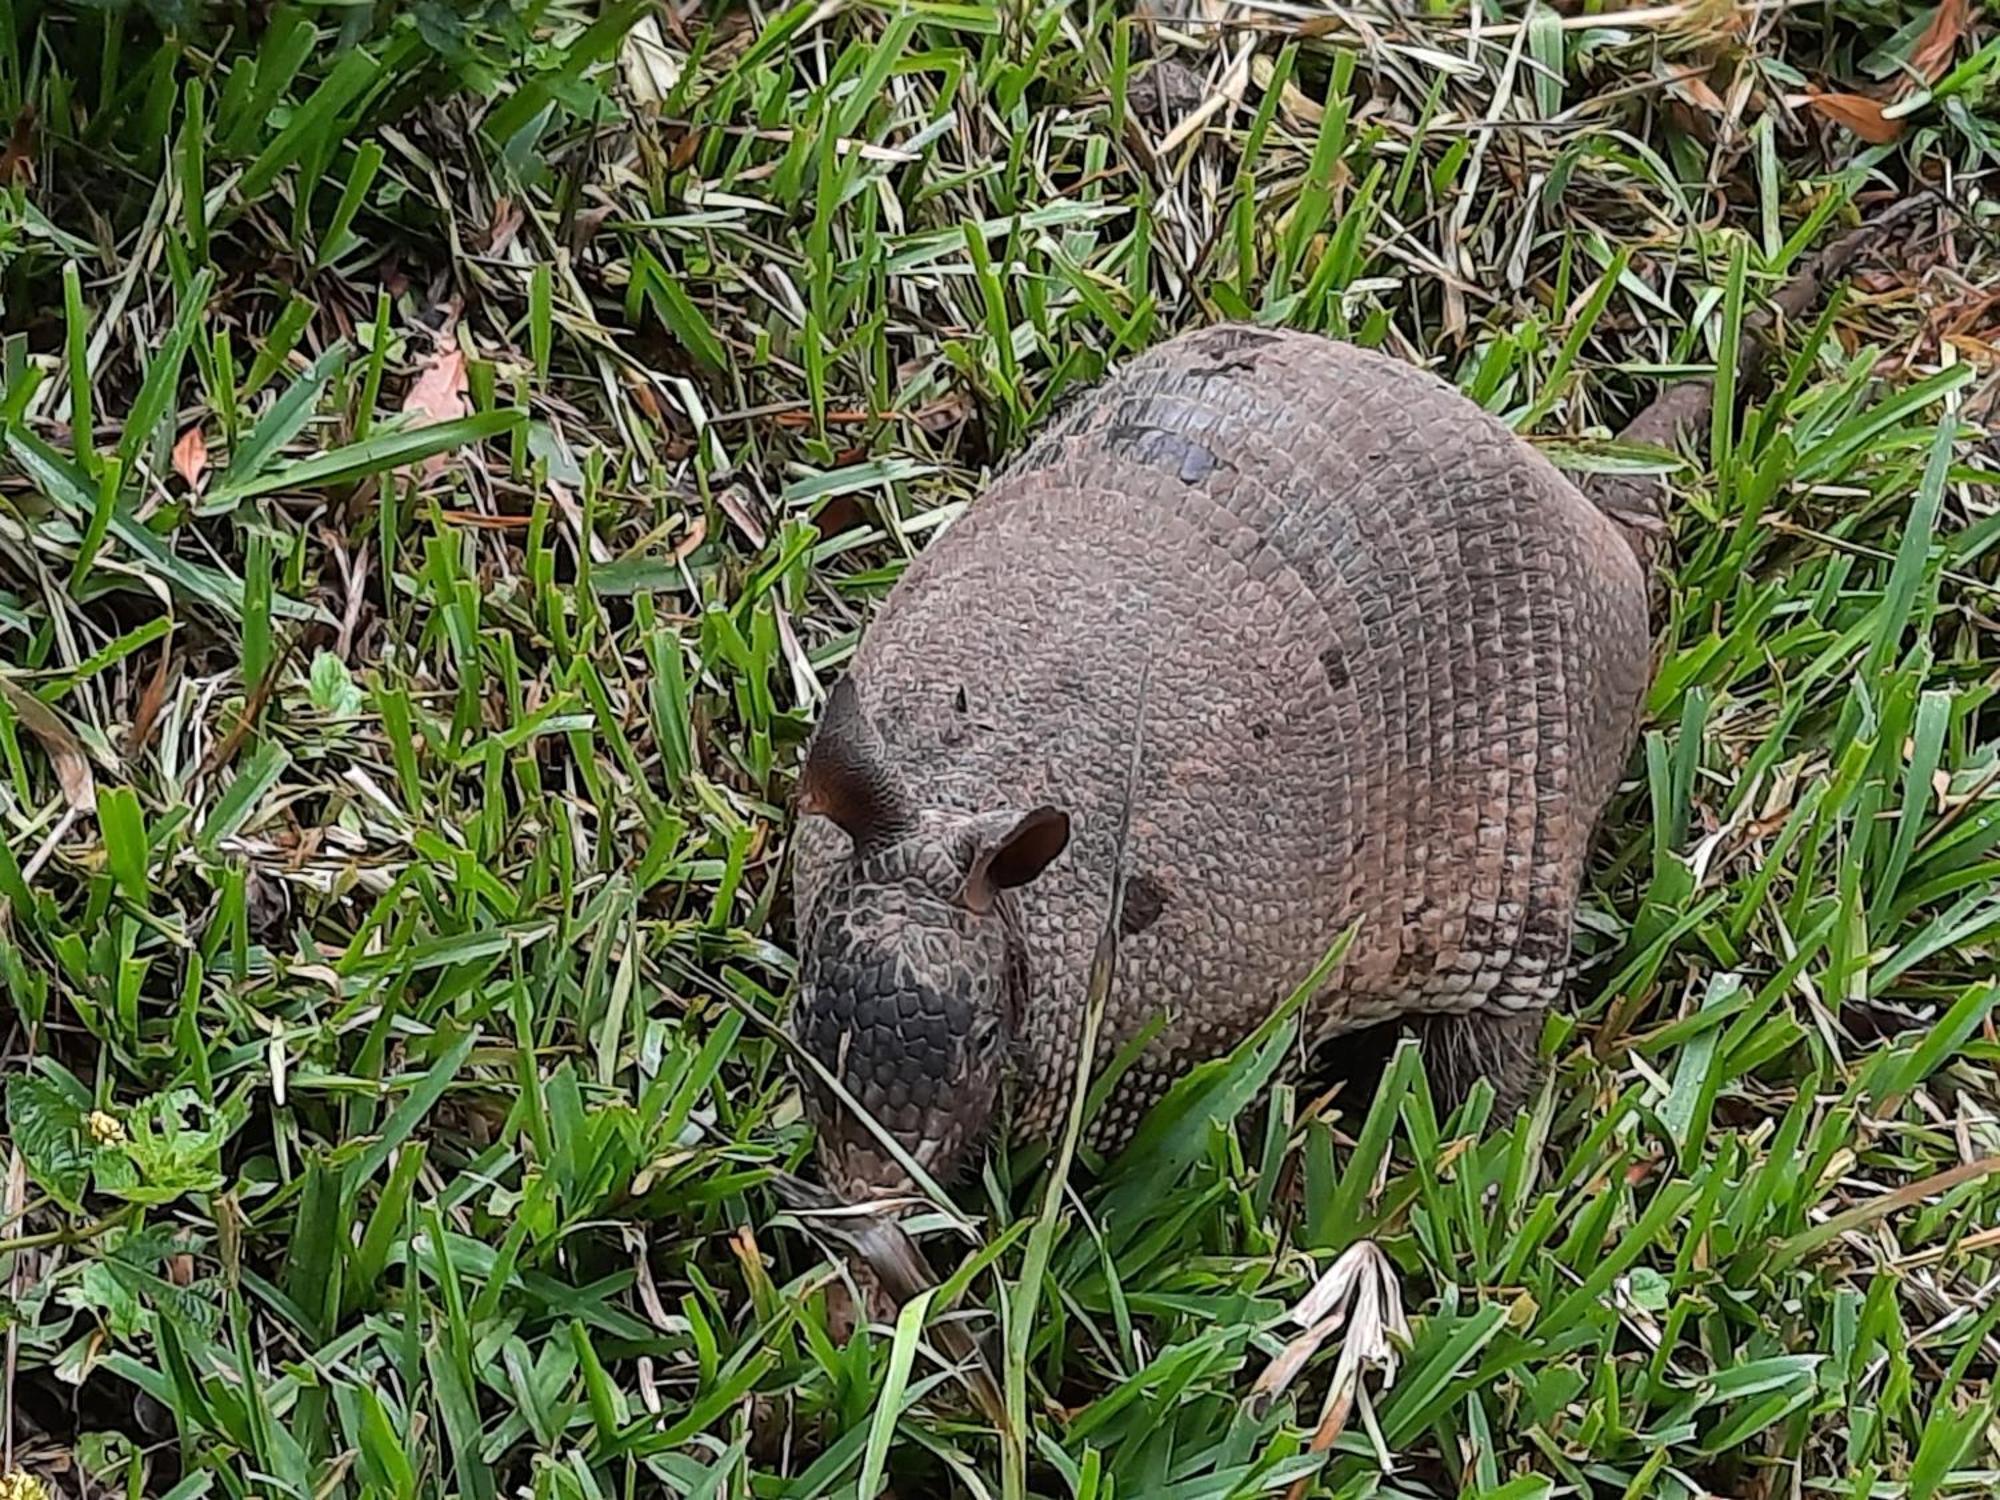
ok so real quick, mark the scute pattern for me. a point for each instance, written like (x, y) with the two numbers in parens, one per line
(1396, 662)
(896, 1010)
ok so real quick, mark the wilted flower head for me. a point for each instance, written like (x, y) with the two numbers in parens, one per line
(1359, 1290)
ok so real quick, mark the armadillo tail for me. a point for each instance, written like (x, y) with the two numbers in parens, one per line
(1684, 410)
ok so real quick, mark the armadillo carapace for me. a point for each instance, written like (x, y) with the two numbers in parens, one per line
(1394, 663)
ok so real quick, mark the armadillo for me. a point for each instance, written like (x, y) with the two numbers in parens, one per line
(1394, 664)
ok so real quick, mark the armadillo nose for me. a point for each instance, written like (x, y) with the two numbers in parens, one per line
(870, 1234)
(862, 1177)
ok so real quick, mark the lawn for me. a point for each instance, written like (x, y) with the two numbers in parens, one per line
(450, 451)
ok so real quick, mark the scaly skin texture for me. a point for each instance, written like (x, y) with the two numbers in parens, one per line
(1396, 664)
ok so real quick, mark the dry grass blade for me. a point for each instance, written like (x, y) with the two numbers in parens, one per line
(1857, 113)
(1877, 1208)
(65, 752)
(224, 750)
(1097, 996)
(1938, 44)
(151, 701)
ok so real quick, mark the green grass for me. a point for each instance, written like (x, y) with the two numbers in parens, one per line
(391, 855)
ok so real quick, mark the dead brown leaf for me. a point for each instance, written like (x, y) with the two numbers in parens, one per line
(585, 227)
(697, 534)
(224, 750)
(1691, 85)
(1359, 1290)
(841, 513)
(1703, 102)
(151, 701)
(649, 402)
(480, 521)
(848, 417)
(438, 392)
(507, 222)
(191, 457)
(438, 395)
(1856, 113)
(17, 161)
(1935, 49)
(1982, 353)
(944, 413)
(735, 503)
(64, 751)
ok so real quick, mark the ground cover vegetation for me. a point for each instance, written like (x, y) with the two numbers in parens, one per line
(448, 450)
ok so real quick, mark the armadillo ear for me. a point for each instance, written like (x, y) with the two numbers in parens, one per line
(1023, 850)
(847, 778)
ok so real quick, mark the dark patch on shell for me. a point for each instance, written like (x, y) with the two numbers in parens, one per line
(1145, 899)
(1224, 370)
(1233, 339)
(1187, 458)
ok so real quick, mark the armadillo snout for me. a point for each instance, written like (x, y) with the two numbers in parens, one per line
(901, 1000)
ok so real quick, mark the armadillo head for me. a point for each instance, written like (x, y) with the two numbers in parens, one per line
(912, 969)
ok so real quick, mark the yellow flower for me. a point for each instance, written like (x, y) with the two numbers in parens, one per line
(19, 1484)
(106, 1131)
